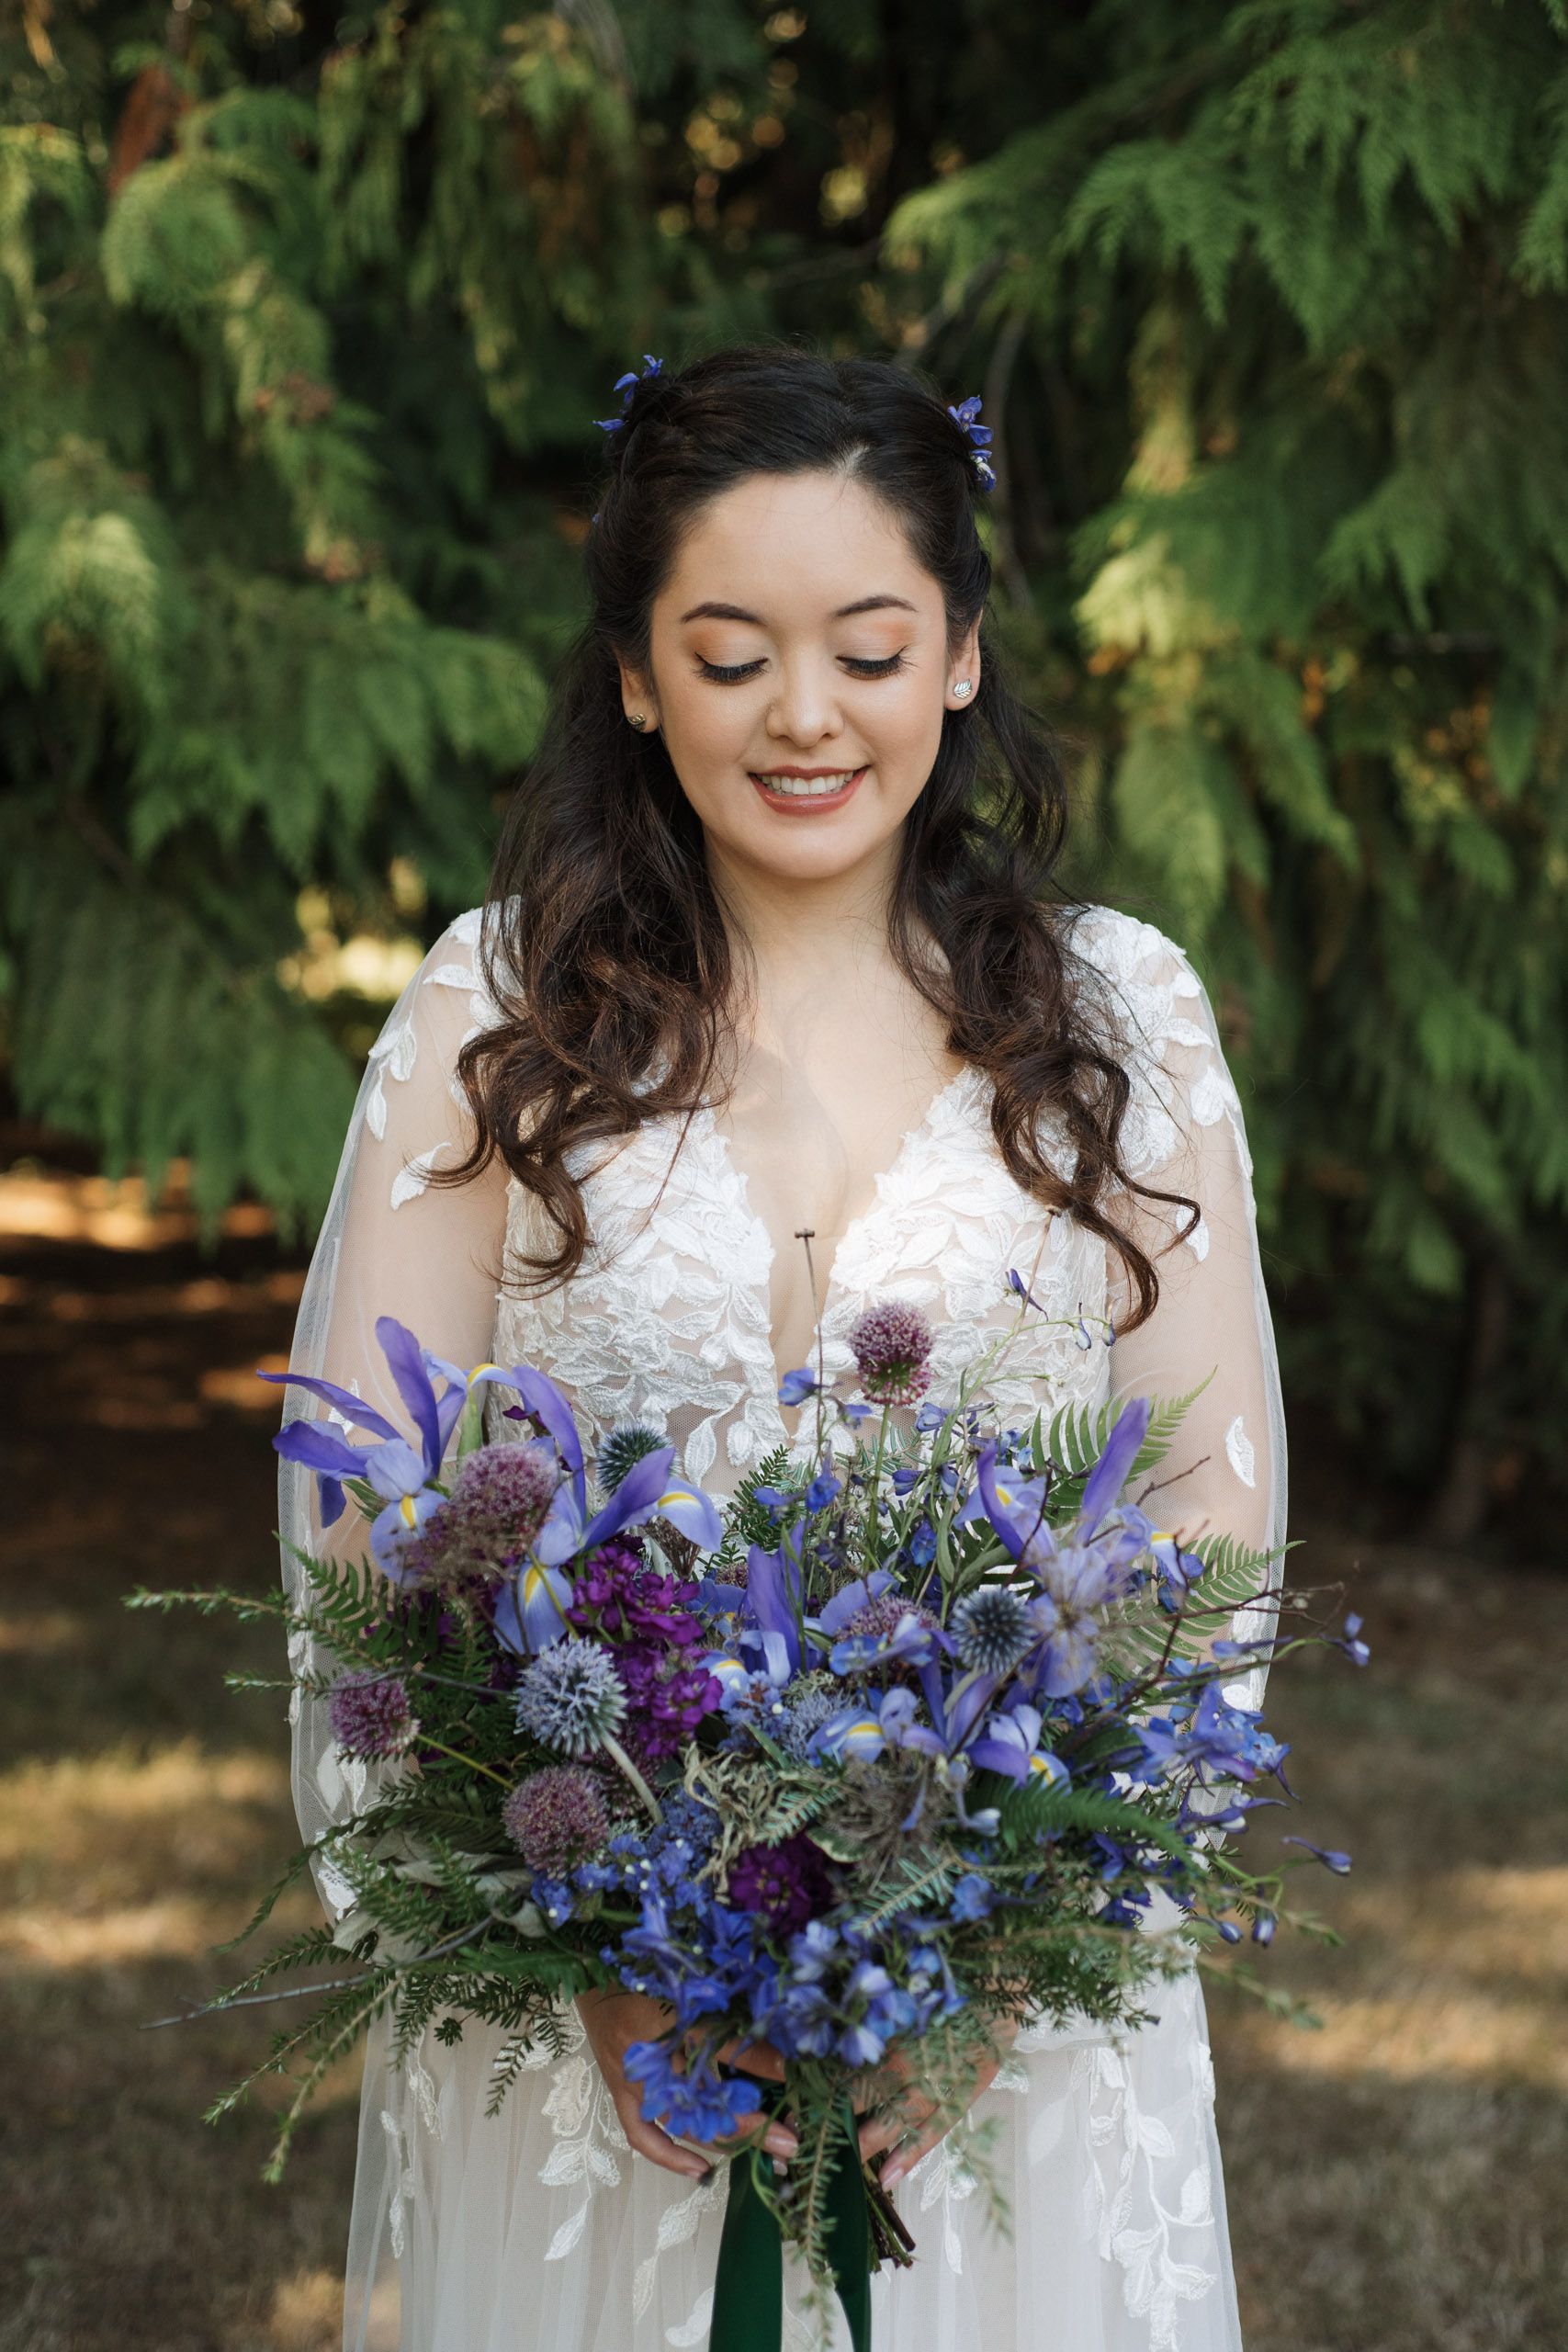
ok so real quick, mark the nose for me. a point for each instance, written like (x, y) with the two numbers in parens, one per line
(806, 710)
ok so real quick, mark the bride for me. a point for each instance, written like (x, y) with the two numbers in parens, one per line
(773, 1011)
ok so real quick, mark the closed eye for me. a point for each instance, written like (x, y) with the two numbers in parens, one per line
(730, 674)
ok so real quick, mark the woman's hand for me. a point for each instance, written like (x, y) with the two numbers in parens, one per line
(907, 2121)
(613, 2020)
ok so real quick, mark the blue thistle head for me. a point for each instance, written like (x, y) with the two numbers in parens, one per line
(628, 1442)
(571, 1698)
(992, 1629)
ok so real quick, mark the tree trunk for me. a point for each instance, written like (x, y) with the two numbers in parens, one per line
(1456, 1509)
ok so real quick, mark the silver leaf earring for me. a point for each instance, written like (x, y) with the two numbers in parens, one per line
(963, 687)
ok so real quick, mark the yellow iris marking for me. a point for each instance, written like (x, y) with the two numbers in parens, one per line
(406, 1507)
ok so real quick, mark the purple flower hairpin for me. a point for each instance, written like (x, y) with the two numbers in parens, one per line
(979, 437)
(624, 385)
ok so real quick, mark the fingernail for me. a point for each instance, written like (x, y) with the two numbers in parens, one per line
(783, 2144)
(890, 2172)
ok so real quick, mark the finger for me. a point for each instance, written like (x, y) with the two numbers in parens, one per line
(907, 2157)
(658, 2147)
(890, 2123)
(754, 2058)
(775, 2135)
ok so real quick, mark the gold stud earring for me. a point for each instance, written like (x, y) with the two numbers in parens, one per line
(639, 717)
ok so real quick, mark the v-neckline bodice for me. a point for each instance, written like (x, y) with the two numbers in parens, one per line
(913, 1136)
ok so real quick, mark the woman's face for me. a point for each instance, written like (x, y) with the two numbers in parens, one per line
(800, 671)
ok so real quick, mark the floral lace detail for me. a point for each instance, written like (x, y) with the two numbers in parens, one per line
(395, 1053)
(1149, 2179)
(1145, 981)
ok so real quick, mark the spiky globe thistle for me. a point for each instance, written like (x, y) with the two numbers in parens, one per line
(496, 1508)
(571, 1698)
(370, 1714)
(992, 1629)
(627, 1443)
(556, 1816)
(891, 1344)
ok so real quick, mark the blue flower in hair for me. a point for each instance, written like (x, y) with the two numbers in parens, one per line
(623, 385)
(979, 437)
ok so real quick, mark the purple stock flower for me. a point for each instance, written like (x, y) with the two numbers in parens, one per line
(788, 1884)
(891, 1344)
(650, 1620)
(370, 1714)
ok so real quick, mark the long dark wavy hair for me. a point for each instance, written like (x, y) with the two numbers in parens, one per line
(603, 944)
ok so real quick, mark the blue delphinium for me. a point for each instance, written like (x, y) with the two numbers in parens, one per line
(687, 2094)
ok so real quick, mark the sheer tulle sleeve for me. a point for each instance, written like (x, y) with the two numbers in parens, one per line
(392, 1243)
(1185, 1133)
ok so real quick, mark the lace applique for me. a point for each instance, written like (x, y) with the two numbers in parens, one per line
(1238, 1452)
(1149, 2180)
(395, 1054)
(1147, 981)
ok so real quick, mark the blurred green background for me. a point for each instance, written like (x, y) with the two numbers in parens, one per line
(306, 313)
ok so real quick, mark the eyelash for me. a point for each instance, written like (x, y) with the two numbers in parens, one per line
(731, 675)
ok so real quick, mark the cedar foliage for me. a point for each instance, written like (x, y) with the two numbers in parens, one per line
(305, 314)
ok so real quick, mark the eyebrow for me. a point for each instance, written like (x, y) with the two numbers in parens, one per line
(711, 612)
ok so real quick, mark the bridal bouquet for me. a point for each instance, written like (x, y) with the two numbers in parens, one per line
(901, 1748)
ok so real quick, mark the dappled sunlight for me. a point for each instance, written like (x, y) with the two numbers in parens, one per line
(109, 1215)
(237, 1385)
(47, 1631)
(168, 1927)
(1464, 2035)
(97, 1832)
(305, 2315)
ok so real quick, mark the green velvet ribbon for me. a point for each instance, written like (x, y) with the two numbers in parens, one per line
(747, 2294)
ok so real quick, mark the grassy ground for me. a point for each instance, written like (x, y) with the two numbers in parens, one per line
(1395, 2178)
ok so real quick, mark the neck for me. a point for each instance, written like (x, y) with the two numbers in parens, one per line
(810, 955)
(824, 928)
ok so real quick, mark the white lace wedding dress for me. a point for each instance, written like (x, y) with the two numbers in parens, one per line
(536, 2230)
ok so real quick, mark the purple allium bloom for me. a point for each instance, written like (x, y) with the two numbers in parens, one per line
(878, 1621)
(788, 1883)
(556, 1816)
(370, 1714)
(891, 1343)
(496, 1508)
(571, 1698)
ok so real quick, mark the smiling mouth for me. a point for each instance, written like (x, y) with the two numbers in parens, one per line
(807, 792)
